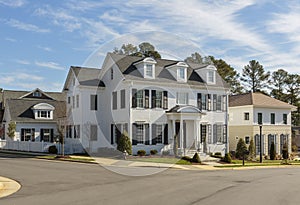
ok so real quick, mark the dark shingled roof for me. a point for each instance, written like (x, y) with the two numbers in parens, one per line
(88, 76)
(177, 109)
(20, 110)
(126, 66)
(258, 100)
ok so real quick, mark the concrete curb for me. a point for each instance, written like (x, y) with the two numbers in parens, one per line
(8, 187)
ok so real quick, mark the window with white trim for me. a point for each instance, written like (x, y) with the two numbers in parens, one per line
(140, 98)
(149, 70)
(140, 133)
(211, 76)
(182, 98)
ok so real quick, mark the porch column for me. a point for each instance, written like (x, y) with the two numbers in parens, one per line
(174, 129)
(181, 135)
(196, 125)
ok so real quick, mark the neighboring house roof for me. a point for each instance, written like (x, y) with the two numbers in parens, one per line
(21, 110)
(85, 76)
(257, 100)
(126, 66)
(14, 94)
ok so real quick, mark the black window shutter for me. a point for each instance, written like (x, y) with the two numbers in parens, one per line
(147, 134)
(146, 99)
(154, 134)
(153, 97)
(214, 133)
(111, 133)
(42, 134)
(199, 100)
(134, 142)
(51, 135)
(22, 135)
(166, 134)
(165, 100)
(134, 91)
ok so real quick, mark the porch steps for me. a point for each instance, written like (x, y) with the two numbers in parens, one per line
(203, 156)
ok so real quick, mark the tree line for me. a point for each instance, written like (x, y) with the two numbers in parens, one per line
(279, 84)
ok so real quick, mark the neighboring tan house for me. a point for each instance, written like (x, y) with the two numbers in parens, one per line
(36, 114)
(153, 100)
(245, 113)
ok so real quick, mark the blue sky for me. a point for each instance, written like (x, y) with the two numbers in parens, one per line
(40, 40)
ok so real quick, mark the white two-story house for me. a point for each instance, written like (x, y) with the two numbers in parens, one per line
(156, 101)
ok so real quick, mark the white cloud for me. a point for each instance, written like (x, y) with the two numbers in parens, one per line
(13, 3)
(51, 65)
(45, 48)
(24, 26)
(11, 39)
(23, 62)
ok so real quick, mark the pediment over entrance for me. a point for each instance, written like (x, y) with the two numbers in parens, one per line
(184, 109)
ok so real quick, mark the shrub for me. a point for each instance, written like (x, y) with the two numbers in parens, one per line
(165, 152)
(196, 158)
(153, 152)
(227, 158)
(141, 152)
(52, 149)
(272, 151)
(124, 143)
(240, 149)
(186, 158)
(251, 150)
(218, 154)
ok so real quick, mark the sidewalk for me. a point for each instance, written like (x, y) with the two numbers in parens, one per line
(8, 186)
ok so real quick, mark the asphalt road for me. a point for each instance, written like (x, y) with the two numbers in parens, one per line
(56, 183)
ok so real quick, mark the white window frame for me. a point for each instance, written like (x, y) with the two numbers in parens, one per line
(181, 74)
(140, 100)
(149, 70)
(211, 76)
(140, 133)
(182, 94)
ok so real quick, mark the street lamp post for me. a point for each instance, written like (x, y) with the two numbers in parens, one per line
(260, 144)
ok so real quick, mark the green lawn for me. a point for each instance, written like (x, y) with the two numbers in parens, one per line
(239, 163)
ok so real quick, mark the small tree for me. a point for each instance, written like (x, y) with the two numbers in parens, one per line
(11, 130)
(285, 151)
(272, 151)
(227, 158)
(251, 150)
(240, 148)
(124, 143)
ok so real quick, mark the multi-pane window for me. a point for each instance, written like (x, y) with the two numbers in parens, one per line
(93, 132)
(259, 118)
(47, 135)
(246, 115)
(182, 98)
(149, 70)
(203, 102)
(44, 114)
(181, 73)
(115, 100)
(159, 133)
(273, 118)
(37, 94)
(224, 103)
(69, 131)
(158, 99)
(94, 102)
(27, 134)
(140, 133)
(140, 98)
(284, 116)
(209, 134)
(122, 99)
(211, 76)
(203, 133)
(219, 103)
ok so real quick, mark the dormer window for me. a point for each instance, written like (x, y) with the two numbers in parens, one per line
(211, 76)
(149, 70)
(43, 111)
(181, 74)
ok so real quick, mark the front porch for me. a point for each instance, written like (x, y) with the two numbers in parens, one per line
(186, 133)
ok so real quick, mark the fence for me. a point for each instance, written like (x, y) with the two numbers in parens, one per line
(28, 146)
